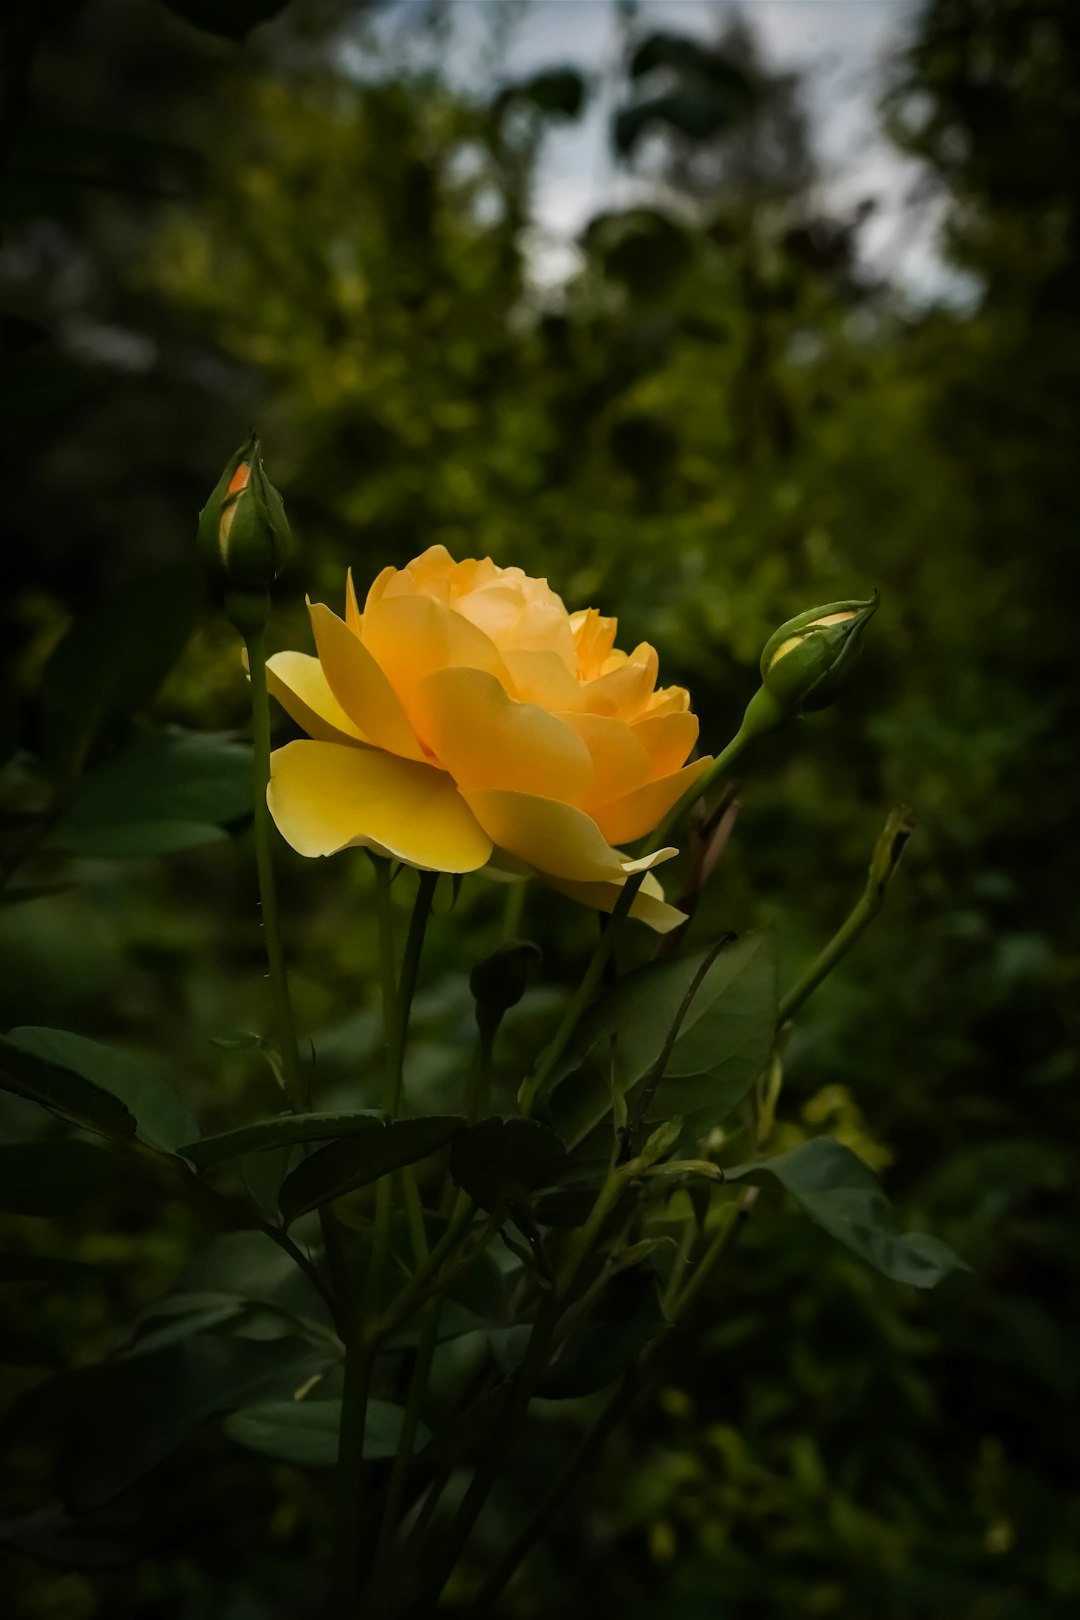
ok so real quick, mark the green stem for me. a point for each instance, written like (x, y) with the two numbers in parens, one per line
(295, 1085)
(752, 727)
(583, 996)
(353, 1473)
(382, 1581)
(515, 909)
(518, 1395)
(348, 1550)
(630, 1386)
(887, 851)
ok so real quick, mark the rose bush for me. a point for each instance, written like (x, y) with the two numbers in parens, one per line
(465, 719)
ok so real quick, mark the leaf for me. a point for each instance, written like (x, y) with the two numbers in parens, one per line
(171, 790)
(159, 1117)
(52, 1178)
(501, 1158)
(559, 92)
(838, 1192)
(112, 659)
(56, 1537)
(355, 1161)
(117, 1421)
(281, 1131)
(724, 1040)
(306, 1432)
(64, 1093)
(228, 19)
(627, 1317)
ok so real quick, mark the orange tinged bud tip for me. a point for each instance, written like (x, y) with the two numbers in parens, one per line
(239, 479)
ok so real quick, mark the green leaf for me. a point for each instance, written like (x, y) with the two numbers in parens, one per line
(112, 659)
(62, 1540)
(64, 1093)
(502, 1158)
(159, 1117)
(52, 1178)
(281, 1131)
(355, 1161)
(723, 1044)
(839, 1193)
(228, 19)
(115, 1422)
(306, 1432)
(171, 790)
(627, 1316)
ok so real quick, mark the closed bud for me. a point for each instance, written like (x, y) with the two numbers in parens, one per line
(807, 660)
(244, 538)
(501, 979)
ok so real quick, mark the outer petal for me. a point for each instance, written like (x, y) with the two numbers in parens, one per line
(639, 812)
(412, 636)
(649, 905)
(326, 796)
(667, 738)
(361, 687)
(554, 839)
(620, 763)
(353, 616)
(297, 681)
(487, 740)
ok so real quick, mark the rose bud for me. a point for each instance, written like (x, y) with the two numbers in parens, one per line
(807, 660)
(243, 535)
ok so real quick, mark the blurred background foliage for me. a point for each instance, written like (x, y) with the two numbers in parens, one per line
(246, 212)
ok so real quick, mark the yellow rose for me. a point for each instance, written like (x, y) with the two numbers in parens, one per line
(466, 719)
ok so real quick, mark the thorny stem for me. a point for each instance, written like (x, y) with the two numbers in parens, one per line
(633, 1381)
(295, 1086)
(887, 851)
(585, 993)
(361, 1346)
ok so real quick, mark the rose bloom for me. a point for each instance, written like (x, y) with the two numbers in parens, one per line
(465, 719)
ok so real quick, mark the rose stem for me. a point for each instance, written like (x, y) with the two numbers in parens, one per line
(296, 1088)
(633, 1381)
(887, 851)
(353, 1473)
(532, 1086)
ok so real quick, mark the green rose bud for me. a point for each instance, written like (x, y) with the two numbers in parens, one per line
(243, 537)
(805, 662)
(501, 979)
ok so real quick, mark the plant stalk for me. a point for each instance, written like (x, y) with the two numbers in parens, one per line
(533, 1085)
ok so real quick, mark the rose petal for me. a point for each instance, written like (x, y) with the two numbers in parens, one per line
(639, 812)
(487, 740)
(543, 678)
(412, 636)
(667, 738)
(555, 839)
(649, 905)
(625, 689)
(352, 606)
(360, 686)
(326, 796)
(620, 763)
(300, 686)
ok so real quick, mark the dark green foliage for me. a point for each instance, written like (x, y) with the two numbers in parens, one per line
(841, 1195)
(503, 1160)
(357, 1160)
(724, 418)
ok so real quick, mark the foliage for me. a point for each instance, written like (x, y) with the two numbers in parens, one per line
(720, 420)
